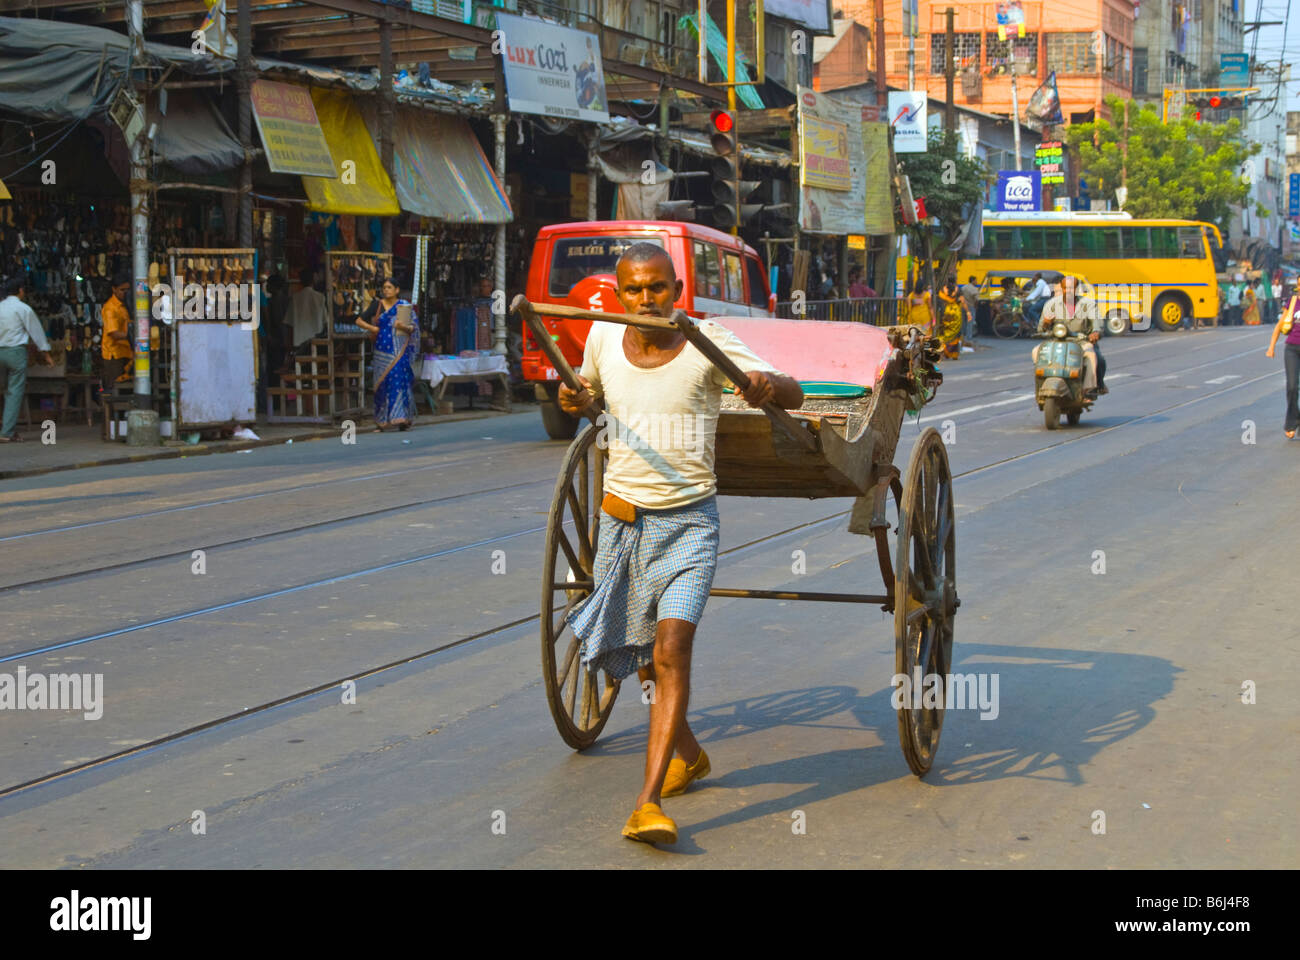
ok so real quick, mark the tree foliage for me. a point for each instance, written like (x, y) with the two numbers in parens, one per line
(1183, 169)
(950, 181)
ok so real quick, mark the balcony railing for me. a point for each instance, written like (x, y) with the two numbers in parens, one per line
(877, 311)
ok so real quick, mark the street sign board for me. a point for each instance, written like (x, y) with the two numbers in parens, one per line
(553, 70)
(1019, 190)
(907, 115)
(291, 133)
(1294, 197)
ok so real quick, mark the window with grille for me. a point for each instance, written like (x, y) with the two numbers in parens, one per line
(1119, 63)
(965, 47)
(1071, 53)
(1140, 70)
(999, 53)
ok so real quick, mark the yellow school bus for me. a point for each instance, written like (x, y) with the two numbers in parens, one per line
(1145, 270)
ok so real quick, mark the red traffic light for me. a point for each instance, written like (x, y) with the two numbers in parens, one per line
(722, 121)
(1198, 115)
(1216, 100)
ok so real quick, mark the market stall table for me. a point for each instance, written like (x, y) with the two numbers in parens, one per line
(439, 371)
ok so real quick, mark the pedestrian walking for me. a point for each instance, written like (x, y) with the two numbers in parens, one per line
(919, 312)
(397, 336)
(1288, 324)
(658, 545)
(19, 325)
(1250, 307)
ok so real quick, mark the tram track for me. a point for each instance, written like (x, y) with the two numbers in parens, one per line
(159, 742)
(44, 582)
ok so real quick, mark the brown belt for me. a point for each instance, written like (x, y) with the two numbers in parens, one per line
(618, 508)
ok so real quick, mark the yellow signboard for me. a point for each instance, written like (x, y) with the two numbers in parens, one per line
(857, 241)
(825, 154)
(290, 131)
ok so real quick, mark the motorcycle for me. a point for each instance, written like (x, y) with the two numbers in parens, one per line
(1058, 377)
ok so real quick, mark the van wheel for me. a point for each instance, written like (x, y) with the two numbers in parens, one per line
(558, 424)
(1117, 323)
(1169, 312)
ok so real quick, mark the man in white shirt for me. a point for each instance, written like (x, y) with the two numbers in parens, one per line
(658, 544)
(1037, 298)
(18, 324)
(307, 313)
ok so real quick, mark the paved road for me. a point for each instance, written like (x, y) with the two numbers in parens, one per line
(1119, 692)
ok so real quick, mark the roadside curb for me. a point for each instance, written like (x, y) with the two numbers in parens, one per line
(233, 446)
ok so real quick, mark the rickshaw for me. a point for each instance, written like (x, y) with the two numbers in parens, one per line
(1004, 291)
(860, 381)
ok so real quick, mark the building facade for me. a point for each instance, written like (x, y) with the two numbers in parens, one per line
(1089, 43)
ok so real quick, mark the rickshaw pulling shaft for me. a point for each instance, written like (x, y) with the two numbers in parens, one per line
(680, 320)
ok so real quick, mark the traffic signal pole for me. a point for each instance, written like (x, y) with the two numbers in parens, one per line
(731, 100)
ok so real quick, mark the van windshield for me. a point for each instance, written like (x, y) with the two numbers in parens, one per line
(576, 258)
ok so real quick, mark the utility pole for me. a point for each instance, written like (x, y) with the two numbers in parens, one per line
(143, 399)
(949, 74)
(911, 43)
(1015, 104)
(882, 93)
(500, 117)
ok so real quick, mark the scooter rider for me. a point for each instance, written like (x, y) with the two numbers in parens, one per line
(1078, 311)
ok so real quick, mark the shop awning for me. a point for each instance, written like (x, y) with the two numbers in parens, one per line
(193, 136)
(440, 170)
(362, 188)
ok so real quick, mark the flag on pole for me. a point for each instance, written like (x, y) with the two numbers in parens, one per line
(1045, 102)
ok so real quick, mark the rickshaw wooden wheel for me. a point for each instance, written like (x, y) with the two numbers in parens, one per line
(925, 591)
(580, 702)
(1005, 324)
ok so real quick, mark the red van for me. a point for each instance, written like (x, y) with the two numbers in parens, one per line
(573, 263)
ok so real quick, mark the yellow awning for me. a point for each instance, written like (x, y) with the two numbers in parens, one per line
(362, 186)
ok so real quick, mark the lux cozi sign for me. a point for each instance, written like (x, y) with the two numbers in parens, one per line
(552, 70)
(541, 56)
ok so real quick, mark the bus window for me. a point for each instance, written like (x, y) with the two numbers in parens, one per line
(1138, 242)
(757, 288)
(997, 243)
(1112, 241)
(1031, 243)
(735, 278)
(1191, 243)
(1086, 243)
(1056, 242)
(1164, 242)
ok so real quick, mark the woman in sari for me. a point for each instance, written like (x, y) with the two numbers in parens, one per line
(953, 314)
(919, 313)
(397, 342)
(1249, 306)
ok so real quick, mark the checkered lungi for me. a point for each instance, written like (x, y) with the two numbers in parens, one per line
(659, 568)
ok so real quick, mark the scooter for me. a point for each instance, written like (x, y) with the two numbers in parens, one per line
(1058, 377)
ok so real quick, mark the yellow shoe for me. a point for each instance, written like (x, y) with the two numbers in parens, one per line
(650, 825)
(680, 775)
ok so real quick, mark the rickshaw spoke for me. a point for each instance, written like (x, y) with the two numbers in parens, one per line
(567, 547)
(570, 656)
(580, 527)
(922, 564)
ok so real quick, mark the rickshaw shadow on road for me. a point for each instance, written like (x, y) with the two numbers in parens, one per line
(1056, 709)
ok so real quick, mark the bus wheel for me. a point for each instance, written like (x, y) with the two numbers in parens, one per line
(1169, 311)
(1117, 323)
(559, 425)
